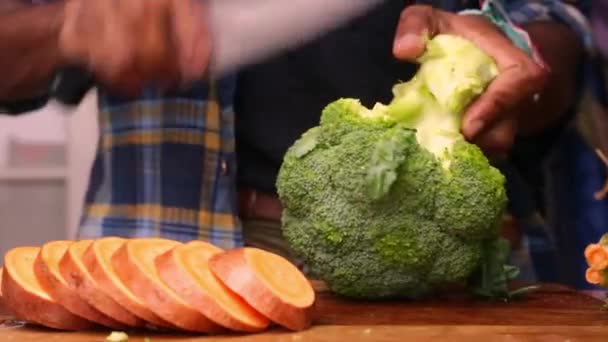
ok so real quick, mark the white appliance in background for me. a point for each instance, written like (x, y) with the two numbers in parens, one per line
(45, 158)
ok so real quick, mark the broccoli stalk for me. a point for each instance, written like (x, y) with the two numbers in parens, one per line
(452, 73)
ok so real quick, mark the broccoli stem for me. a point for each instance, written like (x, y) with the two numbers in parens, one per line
(452, 74)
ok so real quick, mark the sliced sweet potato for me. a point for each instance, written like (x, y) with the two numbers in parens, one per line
(134, 263)
(79, 280)
(26, 298)
(98, 261)
(269, 283)
(185, 269)
(596, 256)
(46, 269)
(0, 285)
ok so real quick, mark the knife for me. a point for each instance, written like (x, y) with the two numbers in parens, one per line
(246, 32)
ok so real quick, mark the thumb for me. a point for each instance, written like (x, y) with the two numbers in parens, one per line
(416, 24)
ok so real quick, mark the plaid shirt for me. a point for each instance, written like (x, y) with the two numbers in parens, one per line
(165, 164)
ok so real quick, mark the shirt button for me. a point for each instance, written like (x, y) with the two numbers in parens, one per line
(224, 168)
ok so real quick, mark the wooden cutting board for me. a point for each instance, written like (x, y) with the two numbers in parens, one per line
(554, 313)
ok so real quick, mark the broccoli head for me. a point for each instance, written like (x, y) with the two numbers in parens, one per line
(392, 201)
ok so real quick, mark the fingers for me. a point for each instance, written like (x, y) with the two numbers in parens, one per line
(499, 137)
(519, 79)
(415, 25)
(131, 43)
(515, 85)
(155, 49)
(72, 48)
(192, 38)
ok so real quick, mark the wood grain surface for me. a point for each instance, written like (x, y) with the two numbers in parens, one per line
(554, 313)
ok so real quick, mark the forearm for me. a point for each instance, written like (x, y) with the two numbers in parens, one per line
(29, 45)
(562, 51)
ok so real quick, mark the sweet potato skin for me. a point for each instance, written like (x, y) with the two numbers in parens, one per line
(79, 281)
(30, 307)
(232, 268)
(107, 285)
(182, 283)
(69, 299)
(157, 299)
(1, 301)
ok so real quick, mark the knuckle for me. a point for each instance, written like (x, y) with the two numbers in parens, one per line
(529, 75)
(497, 104)
(497, 107)
(536, 74)
(416, 10)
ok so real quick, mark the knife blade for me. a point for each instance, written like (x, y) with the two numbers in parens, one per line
(245, 32)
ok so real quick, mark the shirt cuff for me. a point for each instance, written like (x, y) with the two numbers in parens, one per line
(523, 12)
(21, 107)
(69, 87)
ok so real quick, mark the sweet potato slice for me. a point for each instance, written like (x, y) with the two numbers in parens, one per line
(79, 280)
(0, 286)
(98, 261)
(134, 262)
(25, 297)
(46, 269)
(269, 283)
(185, 269)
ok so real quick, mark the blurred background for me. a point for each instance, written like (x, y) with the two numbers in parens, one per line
(45, 158)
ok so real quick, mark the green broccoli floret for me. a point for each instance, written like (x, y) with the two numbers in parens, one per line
(392, 201)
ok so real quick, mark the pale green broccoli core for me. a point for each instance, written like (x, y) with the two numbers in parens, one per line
(453, 72)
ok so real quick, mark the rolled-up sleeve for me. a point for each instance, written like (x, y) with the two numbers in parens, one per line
(573, 13)
(69, 87)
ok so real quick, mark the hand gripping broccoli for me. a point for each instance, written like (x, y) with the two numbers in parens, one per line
(392, 201)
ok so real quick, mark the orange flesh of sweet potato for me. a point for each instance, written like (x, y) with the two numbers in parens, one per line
(79, 280)
(1, 287)
(98, 261)
(135, 264)
(593, 276)
(46, 269)
(269, 283)
(185, 269)
(596, 256)
(25, 297)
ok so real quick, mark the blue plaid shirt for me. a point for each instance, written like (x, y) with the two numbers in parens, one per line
(165, 166)
(165, 163)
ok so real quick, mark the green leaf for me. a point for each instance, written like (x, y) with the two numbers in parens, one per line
(522, 291)
(390, 152)
(604, 240)
(511, 272)
(492, 279)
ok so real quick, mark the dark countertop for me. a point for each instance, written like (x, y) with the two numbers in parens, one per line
(553, 313)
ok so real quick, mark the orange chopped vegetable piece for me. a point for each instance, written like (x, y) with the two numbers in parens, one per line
(186, 270)
(269, 283)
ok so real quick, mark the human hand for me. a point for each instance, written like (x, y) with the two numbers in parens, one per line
(491, 120)
(130, 44)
